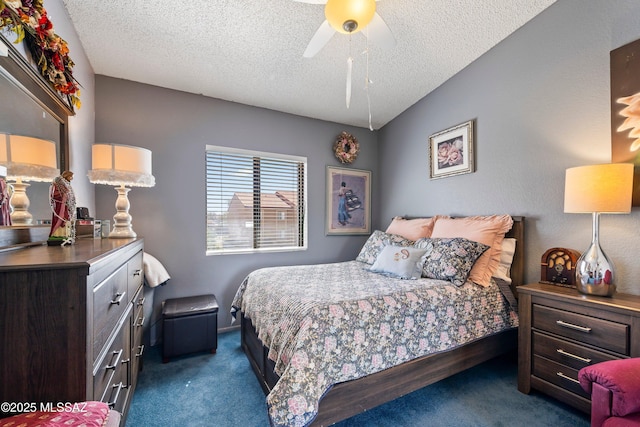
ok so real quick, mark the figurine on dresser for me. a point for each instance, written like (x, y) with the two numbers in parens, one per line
(63, 205)
(5, 210)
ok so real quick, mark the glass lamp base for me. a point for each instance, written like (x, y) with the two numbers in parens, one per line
(595, 273)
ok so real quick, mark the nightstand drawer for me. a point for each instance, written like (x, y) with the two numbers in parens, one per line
(567, 353)
(602, 333)
(558, 374)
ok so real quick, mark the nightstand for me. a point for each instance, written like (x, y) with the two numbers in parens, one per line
(561, 331)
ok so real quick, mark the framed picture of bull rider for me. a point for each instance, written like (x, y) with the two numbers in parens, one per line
(348, 201)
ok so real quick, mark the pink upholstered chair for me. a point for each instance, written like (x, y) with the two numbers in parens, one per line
(614, 386)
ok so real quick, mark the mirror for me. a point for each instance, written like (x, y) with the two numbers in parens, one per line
(31, 107)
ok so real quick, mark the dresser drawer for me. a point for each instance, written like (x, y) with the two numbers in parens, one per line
(567, 353)
(134, 272)
(138, 310)
(602, 333)
(110, 300)
(558, 374)
(117, 392)
(112, 368)
(137, 348)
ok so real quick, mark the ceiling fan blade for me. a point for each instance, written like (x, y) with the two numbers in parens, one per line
(379, 33)
(319, 39)
(315, 1)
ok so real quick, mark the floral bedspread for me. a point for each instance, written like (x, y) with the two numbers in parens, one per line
(329, 323)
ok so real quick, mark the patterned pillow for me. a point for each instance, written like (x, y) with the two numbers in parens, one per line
(489, 230)
(450, 258)
(403, 262)
(378, 240)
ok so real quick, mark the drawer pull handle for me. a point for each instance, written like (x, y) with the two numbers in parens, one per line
(141, 301)
(141, 322)
(117, 355)
(136, 273)
(126, 362)
(120, 386)
(566, 377)
(572, 326)
(118, 299)
(141, 347)
(574, 356)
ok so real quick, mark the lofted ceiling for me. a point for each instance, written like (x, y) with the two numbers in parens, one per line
(250, 51)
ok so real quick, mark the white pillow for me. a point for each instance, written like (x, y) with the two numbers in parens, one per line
(404, 262)
(506, 258)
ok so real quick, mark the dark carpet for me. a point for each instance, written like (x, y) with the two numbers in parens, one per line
(222, 390)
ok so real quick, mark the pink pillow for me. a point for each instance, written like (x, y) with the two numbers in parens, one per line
(489, 230)
(413, 229)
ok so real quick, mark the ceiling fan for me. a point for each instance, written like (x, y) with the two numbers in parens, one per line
(349, 17)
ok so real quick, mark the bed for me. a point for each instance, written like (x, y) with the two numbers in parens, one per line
(296, 335)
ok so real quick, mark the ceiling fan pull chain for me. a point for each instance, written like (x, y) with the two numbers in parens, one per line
(349, 68)
(367, 80)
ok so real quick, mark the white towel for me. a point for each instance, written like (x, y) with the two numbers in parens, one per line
(154, 272)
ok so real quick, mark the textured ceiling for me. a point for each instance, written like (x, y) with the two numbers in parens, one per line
(250, 51)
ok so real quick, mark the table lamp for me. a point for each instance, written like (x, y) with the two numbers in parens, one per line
(121, 165)
(26, 159)
(597, 189)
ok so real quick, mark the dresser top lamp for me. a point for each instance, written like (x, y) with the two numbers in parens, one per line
(26, 159)
(597, 189)
(122, 166)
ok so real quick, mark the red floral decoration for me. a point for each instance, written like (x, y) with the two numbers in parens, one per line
(29, 20)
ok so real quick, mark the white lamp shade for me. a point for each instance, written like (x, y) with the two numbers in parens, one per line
(28, 158)
(121, 165)
(603, 188)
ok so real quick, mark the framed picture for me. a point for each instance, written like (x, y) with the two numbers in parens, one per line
(348, 201)
(451, 151)
(625, 110)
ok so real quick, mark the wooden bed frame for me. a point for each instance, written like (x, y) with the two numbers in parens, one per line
(350, 398)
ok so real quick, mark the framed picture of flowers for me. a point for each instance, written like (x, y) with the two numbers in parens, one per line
(348, 201)
(451, 151)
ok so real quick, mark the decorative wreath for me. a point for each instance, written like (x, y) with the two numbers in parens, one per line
(346, 147)
(29, 20)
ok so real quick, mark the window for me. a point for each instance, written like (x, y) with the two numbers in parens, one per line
(255, 201)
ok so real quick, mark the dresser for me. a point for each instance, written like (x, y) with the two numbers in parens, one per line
(71, 323)
(561, 331)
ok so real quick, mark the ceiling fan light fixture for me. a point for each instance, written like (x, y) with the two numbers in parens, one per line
(349, 16)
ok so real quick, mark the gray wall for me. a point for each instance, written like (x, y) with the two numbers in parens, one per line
(82, 125)
(540, 100)
(176, 127)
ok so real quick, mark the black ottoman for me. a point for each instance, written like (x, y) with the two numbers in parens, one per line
(189, 325)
